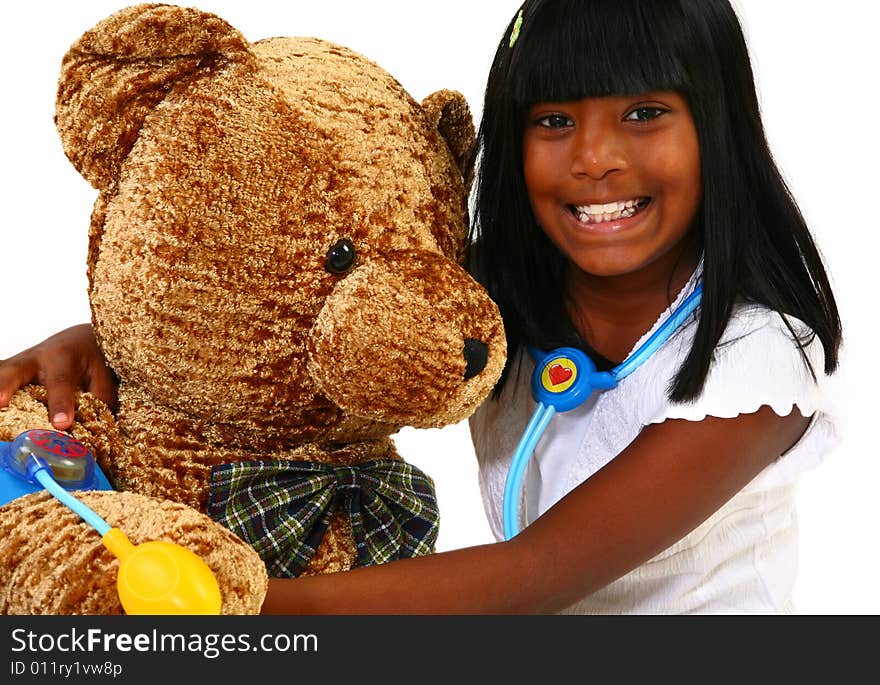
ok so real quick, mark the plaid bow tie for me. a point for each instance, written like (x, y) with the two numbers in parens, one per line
(282, 509)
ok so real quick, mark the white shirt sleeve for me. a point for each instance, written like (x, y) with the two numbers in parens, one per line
(757, 363)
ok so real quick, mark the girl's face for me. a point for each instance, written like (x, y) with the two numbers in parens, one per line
(613, 181)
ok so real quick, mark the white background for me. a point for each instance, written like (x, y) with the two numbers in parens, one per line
(815, 65)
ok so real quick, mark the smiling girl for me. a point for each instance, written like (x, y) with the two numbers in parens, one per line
(622, 167)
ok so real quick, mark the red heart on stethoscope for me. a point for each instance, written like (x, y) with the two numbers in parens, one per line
(559, 374)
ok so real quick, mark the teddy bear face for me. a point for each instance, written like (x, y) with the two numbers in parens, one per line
(278, 249)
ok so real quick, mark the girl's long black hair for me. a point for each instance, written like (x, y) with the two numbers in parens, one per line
(756, 244)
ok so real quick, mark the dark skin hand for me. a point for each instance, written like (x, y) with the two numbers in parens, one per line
(671, 478)
(63, 363)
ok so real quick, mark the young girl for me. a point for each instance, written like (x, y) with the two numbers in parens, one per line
(622, 164)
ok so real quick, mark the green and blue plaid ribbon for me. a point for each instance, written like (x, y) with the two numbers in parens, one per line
(282, 509)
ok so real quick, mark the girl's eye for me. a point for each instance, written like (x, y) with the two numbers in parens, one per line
(555, 121)
(340, 257)
(645, 114)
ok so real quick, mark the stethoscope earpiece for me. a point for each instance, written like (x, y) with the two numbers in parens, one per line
(563, 380)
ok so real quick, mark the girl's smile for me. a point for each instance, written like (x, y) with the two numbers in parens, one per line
(596, 213)
(609, 217)
(613, 181)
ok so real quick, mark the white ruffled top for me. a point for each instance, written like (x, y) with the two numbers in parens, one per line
(742, 559)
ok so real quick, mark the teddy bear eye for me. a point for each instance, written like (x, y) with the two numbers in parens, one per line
(340, 257)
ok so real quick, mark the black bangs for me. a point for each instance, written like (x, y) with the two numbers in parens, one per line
(572, 49)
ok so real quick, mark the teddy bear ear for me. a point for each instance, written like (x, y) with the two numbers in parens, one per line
(448, 110)
(117, 72)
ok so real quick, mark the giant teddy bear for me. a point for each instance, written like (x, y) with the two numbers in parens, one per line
(274, 276)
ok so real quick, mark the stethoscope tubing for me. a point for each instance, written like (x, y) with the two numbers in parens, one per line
(41, 472)
(660, 336)
(542, 414)
(513, 486)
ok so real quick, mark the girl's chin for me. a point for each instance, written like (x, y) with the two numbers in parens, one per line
(623, 258)
(607, 268)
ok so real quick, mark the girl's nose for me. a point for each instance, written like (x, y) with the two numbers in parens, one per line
(597, 153)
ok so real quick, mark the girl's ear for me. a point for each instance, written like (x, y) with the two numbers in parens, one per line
(117, 72)
(448, 111)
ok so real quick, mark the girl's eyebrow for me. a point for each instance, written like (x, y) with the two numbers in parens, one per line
(663, 97)
(648, 95)
(659, 95)
(550, 104)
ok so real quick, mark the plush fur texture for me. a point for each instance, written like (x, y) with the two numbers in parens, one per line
(227, 171)
(90, 581)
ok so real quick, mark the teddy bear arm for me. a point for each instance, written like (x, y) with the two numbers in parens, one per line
(54, 563)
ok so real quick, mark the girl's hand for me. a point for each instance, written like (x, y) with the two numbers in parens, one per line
(63, 363)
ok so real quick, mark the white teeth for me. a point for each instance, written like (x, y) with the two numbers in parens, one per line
(609, 208)
(593, 214)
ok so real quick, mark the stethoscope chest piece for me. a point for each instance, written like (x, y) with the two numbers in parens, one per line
(566, 377)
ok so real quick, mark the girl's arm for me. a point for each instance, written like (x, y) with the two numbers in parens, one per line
(670, 479)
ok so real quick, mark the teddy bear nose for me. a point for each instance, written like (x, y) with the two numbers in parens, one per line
(476, 354)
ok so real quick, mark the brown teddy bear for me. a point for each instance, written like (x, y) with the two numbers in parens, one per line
(274, 276)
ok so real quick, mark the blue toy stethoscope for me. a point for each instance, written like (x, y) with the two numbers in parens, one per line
(564, 379)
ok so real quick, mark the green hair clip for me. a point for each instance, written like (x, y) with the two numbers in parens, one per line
(517, 25)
